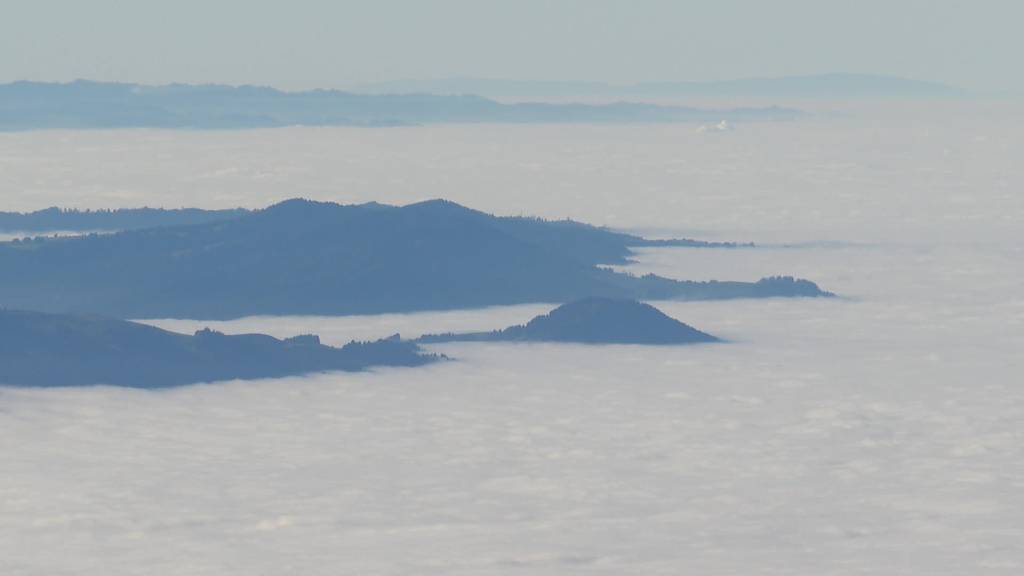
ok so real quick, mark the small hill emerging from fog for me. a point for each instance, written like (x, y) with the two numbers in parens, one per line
(38, 349)
(303, 257)
(592, 321)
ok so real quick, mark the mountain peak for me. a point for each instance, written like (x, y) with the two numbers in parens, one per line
(296, 203)
(612, 320)
(593, 321)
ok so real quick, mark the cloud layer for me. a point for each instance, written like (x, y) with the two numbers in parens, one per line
(874, 432)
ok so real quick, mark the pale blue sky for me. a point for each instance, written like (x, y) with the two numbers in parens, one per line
(319, 43)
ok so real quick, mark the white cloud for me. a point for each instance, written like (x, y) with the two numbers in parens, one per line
(825, 425)
(875, 433)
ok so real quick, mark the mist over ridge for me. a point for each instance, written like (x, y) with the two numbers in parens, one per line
(834, 86)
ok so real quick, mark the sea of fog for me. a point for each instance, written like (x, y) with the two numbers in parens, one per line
(877, 433)
(911, 171)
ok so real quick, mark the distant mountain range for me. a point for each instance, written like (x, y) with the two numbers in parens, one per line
(831, 86)
(38, 349)
(303, 257)
(84, 104)
(591, 321)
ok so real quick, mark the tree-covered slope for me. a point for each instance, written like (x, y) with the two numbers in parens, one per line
(592, 321)
(39, 349)
(302, 257)
(124, 219)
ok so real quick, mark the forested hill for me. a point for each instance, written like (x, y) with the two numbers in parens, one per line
(592, 321)
(302, 257)
(123, 219)
(38, 349)
(599, 245)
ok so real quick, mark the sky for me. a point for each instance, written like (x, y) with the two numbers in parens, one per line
(304, 44)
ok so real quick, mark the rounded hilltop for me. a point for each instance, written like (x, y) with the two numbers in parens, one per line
(593, 320)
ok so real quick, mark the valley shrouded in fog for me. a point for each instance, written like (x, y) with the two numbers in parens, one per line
(877, 432)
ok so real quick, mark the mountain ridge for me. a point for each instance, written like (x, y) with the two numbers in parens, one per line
(303, 257)
(85, 104)
(54, 218)
(43, 349)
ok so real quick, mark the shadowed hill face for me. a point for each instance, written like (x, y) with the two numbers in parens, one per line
(593, 321)
(609, 320)
(302, 257)
(38, 349)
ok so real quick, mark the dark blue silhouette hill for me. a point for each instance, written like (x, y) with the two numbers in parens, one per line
(302, 257)
(38, 349)
(592, 321)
